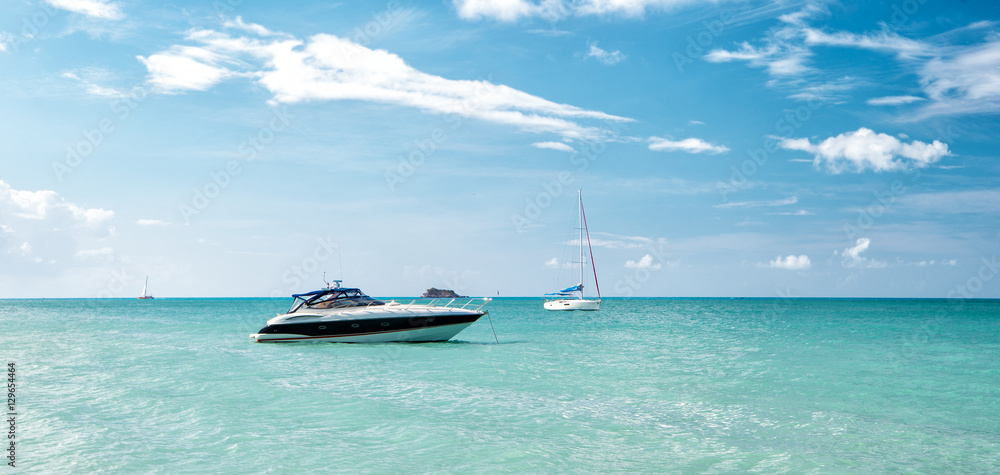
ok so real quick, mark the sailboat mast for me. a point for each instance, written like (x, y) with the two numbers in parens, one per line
(579, 194)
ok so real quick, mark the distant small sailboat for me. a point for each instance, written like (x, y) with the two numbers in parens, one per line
(571, 298)
(145, 296)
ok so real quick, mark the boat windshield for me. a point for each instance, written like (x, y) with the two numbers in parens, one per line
(333, 298)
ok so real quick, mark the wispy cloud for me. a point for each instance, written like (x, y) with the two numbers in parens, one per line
(554, 10)
(689, 145)
(957, 79)
(562, 147)
(327, 67)
(757, 204)
(151, 222)
(893, 100)
(864, 149)
(617, 241)
(985, 202)
(605, 57)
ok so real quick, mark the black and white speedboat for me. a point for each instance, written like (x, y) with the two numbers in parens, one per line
(347, 315)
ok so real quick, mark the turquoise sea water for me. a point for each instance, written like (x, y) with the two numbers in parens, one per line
(644, 385)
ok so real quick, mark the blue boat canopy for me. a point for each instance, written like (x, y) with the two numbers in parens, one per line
(575, 288)
(333, 297)
(567, 292)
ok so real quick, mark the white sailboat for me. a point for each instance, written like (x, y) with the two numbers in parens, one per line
(144, 295)
(571, 298)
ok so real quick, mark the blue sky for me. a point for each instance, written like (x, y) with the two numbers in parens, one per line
(731, 148)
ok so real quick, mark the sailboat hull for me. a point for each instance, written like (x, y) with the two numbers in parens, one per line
(572, 304)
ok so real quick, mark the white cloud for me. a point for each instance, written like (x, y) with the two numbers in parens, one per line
(40, 205)
(552, 263)
(791, 262)
(92, 8)
(185, 69)
(554, 146)
(503, 10)
(851, 257)
(893, 100)
(513, 10)
(617, 241)
(151, 222)
(645, 262)
(780, 58)
(327, 67)
(755, 204)
(689, 145)
(884, 40)
(864, 149)
(41, 226)
(607, 58)
(957, 79)
(966, 81)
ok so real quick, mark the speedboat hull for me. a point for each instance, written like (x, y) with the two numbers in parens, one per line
(375, 327)
(573, 304)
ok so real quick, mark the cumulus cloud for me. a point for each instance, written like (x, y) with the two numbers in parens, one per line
(689, 145)
(791, 262)
(329, 68)
(605, 57)
(45, 204)
(91, 8)
(552, 263)
(864, 149)
(562, 147)
(851, 256)
(42, 226)
(645, 262)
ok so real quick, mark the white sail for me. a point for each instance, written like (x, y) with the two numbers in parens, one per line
(144, 287)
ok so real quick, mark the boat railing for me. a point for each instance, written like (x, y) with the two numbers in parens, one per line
(471, 303)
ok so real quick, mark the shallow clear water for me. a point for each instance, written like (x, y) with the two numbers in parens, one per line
(682, 385)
